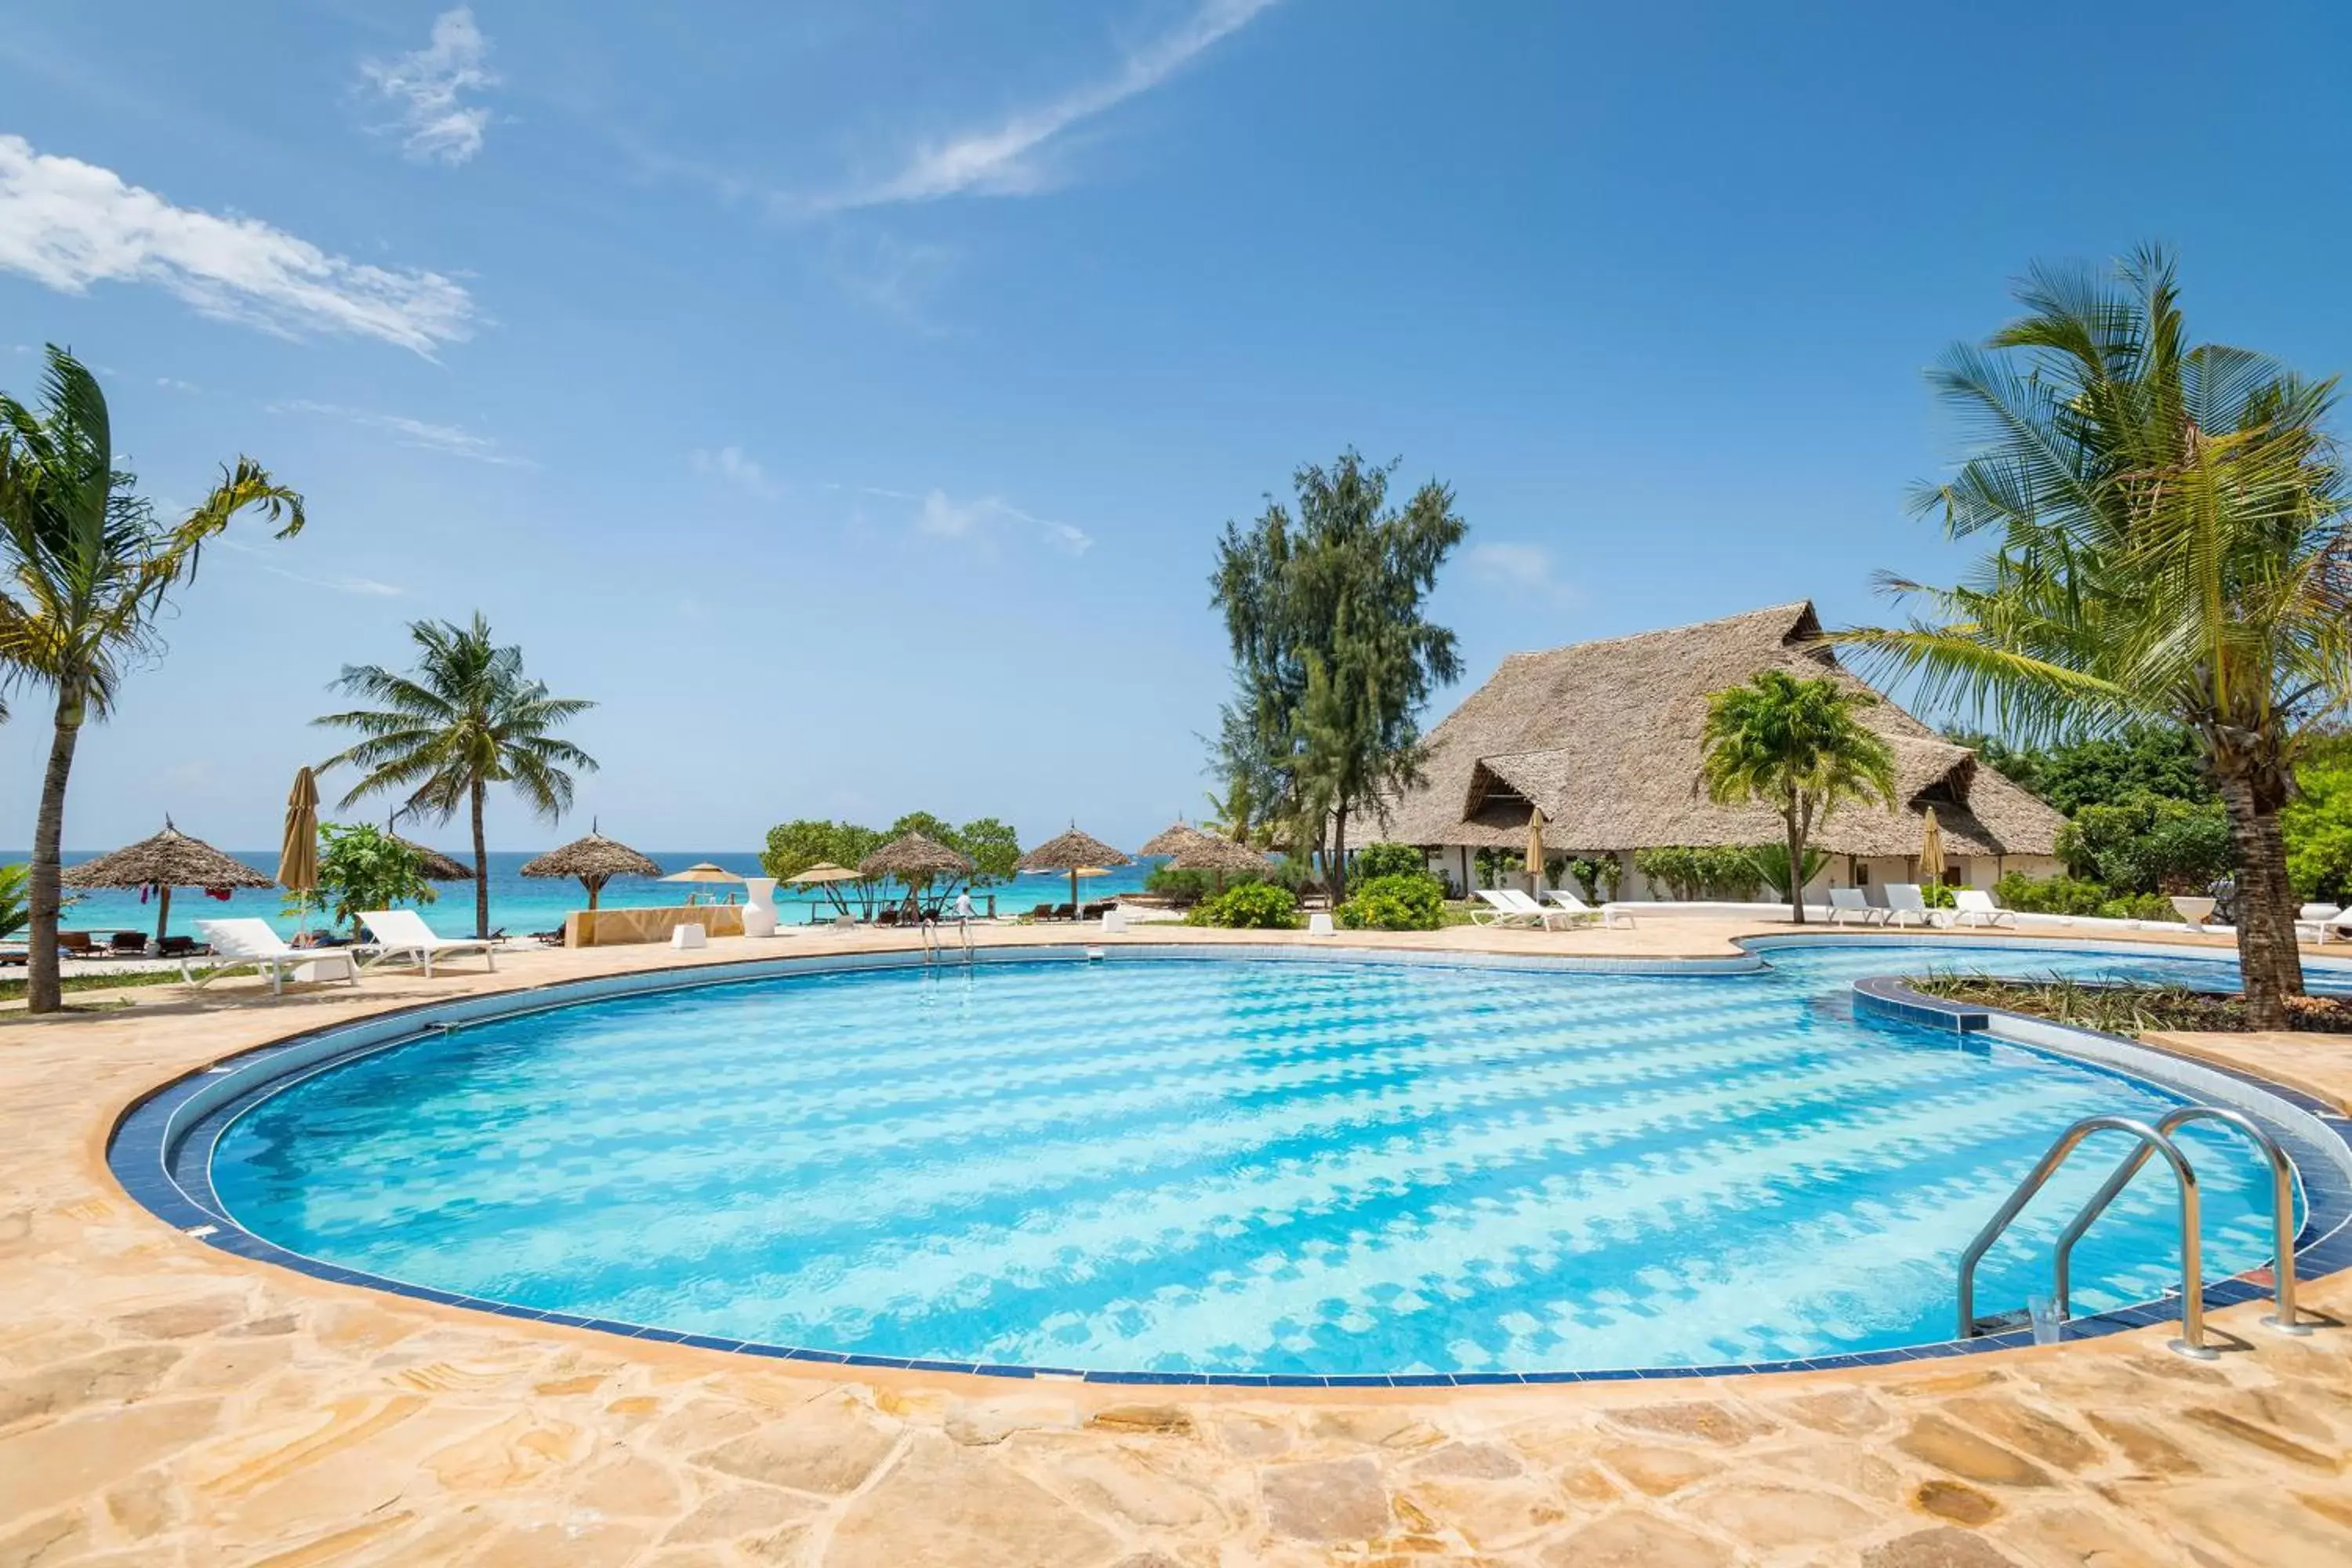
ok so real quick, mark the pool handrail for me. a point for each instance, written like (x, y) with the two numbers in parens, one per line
(2191, 1342)
(2285, 1319)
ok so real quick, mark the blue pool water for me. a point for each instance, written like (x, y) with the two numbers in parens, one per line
(1232, 1166)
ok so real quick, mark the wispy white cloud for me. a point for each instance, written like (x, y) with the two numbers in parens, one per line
(730, 465)
(68, 225)
(1002, 161)
(361, 587)
(1524, 570)
(449, 439)
(174, 384)
(426, 87)
(980, 521)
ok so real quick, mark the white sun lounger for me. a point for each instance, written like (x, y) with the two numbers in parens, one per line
(238, 944)
(1973, 906)
(1501, 910)
(1906, 903)
(2312, 926)
(1577, 909)
(404, 936)
(1844, 901)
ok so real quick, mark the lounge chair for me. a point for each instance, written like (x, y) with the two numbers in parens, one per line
(2322, 923)
(1974, 907)
(1906, 903)
(76, 944)
(403, 935)
(239, 943)
(1501, 910)
(1844, 901)
(127, 945)
(1543, 915)
(1577, 909)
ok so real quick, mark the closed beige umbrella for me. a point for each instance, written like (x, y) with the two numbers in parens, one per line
(1931, 849)
(1535, 849)
(298, 850)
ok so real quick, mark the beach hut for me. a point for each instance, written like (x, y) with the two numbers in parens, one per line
(1080, 853)
(916, 861)
(169, 859)
(594, 861)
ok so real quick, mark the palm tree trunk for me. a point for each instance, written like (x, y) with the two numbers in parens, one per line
(481, 864)
(1796, 867)
(44, 986)
(2271, 967)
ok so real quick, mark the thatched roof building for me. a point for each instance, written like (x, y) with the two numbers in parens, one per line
(1605, 738)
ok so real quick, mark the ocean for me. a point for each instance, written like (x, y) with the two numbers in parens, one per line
(520, 904)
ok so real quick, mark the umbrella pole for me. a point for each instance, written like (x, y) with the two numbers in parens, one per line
(1074, 892)
(163, 916)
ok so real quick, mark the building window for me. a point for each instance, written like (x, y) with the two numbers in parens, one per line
(1862, 873)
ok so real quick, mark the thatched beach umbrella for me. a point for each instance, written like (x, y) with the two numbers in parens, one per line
(169, 859)
(595, 860)
(1170, 840)
(1219, 855)
(436, 866)
(915, 859)
(1077, 853)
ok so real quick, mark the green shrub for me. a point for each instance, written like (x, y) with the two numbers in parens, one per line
(1376, 861)
(1726, 873)
(1772, 866)
(1415, 901)
(1249, 906)
(2139, 907)
(2317, 826)
(2050, 896)
(15, 913)
(1588, 879)
(2147, 844)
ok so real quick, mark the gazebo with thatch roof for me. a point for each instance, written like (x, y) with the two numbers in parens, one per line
(1222, 856)
(169, 859)
(595, 860)
(914, 859)
(1074, 852)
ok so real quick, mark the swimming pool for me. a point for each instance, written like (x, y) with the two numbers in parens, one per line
(1231, 1166)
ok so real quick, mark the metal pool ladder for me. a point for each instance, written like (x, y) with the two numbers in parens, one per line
(934, 948)
(2149, 1141)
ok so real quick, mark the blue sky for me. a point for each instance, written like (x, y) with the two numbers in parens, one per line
(847, 396)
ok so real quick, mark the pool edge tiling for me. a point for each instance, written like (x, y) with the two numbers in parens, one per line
(161, 1149)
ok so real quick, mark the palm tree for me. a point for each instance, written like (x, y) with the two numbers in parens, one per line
(86, 568)
(2170, 545)
(1796, 747)
(465, 719)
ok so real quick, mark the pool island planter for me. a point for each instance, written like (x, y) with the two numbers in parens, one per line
(161, 1149)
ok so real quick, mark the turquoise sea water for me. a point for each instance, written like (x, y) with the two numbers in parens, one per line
(521, 904)
(1234, 1166)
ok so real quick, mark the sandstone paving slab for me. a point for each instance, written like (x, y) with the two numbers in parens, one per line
(163, 1404)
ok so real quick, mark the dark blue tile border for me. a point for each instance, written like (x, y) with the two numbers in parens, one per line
(165, 1167)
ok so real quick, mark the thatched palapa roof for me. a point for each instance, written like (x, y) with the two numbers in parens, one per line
(169, 859)
(593, 859)
(1070, 852)
(439, 868)
(1605, 738)
(914, 857)
(1170, 840)
(1209, 854)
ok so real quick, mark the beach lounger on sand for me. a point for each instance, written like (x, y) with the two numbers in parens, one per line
(402, 936)
(237, 943)
(1844, 901)
(1974, 907)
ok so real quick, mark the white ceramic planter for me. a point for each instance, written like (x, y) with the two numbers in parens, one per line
(759, 906)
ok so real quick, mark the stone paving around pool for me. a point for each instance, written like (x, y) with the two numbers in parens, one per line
(163, 1404)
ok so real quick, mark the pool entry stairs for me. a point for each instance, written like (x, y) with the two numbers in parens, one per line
(2148, 1143)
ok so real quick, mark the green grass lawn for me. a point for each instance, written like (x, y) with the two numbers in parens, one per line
(12, 988)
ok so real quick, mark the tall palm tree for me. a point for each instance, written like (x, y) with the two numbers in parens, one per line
(85, 567)
(2171, 543)
(465, 719)
(1796, 747)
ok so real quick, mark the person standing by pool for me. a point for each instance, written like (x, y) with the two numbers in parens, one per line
(963, 911)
